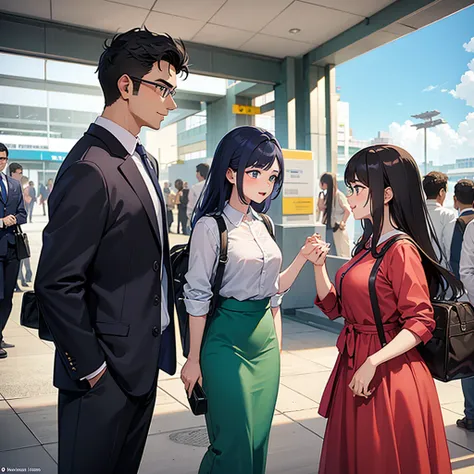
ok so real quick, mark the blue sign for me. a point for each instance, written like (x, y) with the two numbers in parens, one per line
(36, 155)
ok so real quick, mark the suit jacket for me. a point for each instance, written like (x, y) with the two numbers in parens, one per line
(98, 282)
(13, 206)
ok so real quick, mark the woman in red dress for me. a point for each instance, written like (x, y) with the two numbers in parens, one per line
(382, 407)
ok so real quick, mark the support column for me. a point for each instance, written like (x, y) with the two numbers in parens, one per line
(221, 119)
(331, 118)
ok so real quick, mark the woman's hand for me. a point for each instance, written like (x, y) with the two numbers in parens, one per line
(362, 378)
(190, 374)
(342, 225)
(318, 256)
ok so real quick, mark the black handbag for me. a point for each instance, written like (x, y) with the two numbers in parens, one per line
(21, 243)
(449, 354)
(30, 316)
(198, 400)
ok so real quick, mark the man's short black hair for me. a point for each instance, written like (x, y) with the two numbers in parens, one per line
(14, 167)
(433, 183)
(3, 148)
(464, 191)
(134, 53)
(203, 169)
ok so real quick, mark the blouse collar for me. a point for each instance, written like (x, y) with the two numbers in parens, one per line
(235, 216)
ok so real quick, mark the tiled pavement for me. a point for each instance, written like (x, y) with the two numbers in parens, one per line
(28, 433)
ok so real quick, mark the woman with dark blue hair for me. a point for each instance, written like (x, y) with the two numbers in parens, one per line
(238, 361)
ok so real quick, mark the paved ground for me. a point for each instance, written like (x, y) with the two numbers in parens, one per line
(28, 435)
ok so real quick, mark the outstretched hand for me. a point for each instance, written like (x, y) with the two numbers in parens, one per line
(315, 250)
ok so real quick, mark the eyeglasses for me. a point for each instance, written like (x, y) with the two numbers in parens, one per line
(3, 158)
(165, 91)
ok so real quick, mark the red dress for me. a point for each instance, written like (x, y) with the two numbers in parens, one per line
(399, 428)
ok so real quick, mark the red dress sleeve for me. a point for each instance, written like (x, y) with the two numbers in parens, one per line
(406, 273)
(330, 305)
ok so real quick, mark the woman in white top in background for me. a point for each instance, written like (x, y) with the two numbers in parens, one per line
(335, 208)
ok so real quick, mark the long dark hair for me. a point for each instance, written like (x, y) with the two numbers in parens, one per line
(241, 148)
(379, 167)
(330, 180)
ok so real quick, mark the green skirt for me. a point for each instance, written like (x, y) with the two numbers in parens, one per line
(240, 363)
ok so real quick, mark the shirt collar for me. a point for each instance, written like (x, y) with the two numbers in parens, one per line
(466, 210)
(432, 202)
(128, 141)
(234, 215)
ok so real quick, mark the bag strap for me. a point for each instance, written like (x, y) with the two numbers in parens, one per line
(223, 259)
(372, 291)
(268, 224)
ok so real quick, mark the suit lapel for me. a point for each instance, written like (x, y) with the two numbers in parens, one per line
(130, 172)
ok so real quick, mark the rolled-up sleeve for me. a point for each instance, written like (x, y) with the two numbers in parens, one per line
(203, 257)
(330, 305)
(409, 283)
(466, 269)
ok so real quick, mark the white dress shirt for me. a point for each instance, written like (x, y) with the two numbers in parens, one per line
(129, 142)
(193, 197)
(466, 267)
(444, 221)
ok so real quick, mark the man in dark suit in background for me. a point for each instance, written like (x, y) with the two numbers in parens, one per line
(12, 212)
(104, 282)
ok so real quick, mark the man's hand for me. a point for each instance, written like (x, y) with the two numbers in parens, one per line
(9, 221)
(94, 380)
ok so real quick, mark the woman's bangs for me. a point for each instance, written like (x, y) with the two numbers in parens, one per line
(356, 170)
(264, 156)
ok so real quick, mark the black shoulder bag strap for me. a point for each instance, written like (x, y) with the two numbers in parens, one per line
(372, 291)
(268, 224)
(223, 259)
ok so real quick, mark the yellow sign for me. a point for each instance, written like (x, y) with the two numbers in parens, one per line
(245, 109)
(297, 154)
(298, 205)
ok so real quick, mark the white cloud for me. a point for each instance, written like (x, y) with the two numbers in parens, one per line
(430, 88)
(465, 89)
(469, 47)
(444, 90)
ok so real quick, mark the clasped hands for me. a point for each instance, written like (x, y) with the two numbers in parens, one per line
(8, 221)
(315, 250)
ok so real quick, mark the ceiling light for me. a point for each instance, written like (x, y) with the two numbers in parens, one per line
(294, 31)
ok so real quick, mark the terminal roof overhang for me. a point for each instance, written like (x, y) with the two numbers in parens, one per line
(237, 39)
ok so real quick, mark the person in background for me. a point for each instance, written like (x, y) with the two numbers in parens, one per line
(170, 198)
(42, 195)
(463, 202)
(202, 170)
(182, 197)
(333, 204)
(12, 213)
(16, 172)
(31, 193)
(435, 186)
(466, 272)
(185, 185)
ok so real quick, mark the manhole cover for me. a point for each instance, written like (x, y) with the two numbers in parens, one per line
(197, 438)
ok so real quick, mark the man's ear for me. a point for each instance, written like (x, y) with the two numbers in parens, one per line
(387, 195)
(231, 175)
(125, 87)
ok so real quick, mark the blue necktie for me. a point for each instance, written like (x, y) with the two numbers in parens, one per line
(4, 189)
(140, 149)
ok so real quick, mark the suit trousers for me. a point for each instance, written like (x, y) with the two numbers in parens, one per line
(11, 266)
(102, 431)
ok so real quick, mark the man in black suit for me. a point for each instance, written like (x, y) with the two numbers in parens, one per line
(12, 212)
(104, 282)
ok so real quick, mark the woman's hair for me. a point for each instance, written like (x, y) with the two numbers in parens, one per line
(178, 184)
(331, 181)
(379, 167)
(241, 148)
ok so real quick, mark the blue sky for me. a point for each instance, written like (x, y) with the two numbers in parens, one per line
(386, 84)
